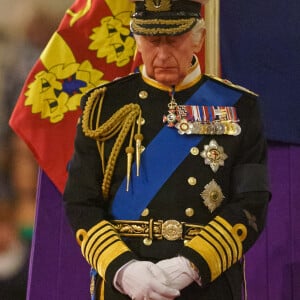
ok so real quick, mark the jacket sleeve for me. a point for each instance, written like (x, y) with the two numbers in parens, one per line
(229, 235)
(86, 210)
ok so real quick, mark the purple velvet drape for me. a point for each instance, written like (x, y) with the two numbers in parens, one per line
(273, 264)
(58, 271)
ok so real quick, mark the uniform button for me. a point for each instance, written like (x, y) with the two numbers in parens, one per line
(143, 94)
(145, 212)
(147, 242)
(192, 181)
(189, 212)
(195, 151)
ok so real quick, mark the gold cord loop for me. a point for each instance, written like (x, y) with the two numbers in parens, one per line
(119, 124)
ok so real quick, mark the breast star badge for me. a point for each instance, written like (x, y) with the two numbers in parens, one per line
(212, 195)
(213, 155)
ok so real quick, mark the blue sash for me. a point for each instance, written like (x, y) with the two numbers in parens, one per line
(164, 154)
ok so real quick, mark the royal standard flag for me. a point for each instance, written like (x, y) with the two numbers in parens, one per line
(91, 46)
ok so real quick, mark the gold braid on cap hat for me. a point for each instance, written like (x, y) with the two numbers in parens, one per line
(120, 123)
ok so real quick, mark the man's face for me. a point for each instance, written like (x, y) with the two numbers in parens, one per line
(167, 58)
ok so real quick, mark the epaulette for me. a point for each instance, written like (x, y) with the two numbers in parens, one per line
(232, 85)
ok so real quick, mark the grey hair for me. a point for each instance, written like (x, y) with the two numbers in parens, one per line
(198, 30)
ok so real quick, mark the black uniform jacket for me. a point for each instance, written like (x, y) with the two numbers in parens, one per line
(232, 216)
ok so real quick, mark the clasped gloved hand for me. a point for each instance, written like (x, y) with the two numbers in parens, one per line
(144, 280)
(179, 272)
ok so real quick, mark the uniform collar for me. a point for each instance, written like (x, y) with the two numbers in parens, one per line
(193, 76)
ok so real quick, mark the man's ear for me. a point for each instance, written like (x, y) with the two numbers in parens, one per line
(199, 45)
(137, 42)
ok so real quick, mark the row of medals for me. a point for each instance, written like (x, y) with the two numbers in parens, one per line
(215, 127)
(211, 128)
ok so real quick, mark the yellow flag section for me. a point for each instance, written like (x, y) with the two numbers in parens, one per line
(49, 93)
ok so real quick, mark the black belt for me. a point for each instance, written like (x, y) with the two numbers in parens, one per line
(170, 230)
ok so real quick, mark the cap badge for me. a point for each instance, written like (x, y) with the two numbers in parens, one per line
(158, 5)
(212, 195)
(213, 155)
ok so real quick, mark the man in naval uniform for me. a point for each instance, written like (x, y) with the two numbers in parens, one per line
(167, 187)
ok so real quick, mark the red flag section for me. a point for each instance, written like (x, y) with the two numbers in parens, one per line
(91, 46)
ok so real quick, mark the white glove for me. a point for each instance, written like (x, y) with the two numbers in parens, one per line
(144, 280)
(179, 272)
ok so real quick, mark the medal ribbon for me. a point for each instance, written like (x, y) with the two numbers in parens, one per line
(204, 114)
(159, 160)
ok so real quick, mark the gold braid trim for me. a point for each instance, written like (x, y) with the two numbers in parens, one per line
(100, 246)
(169, 27)
(220, 245)
(119, 124)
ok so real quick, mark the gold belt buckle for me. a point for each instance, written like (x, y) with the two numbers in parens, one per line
(171, 230)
